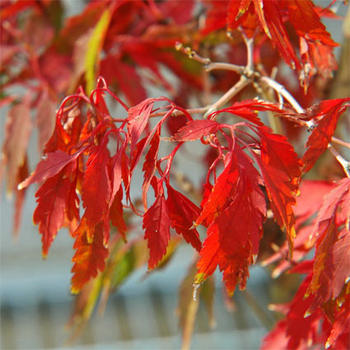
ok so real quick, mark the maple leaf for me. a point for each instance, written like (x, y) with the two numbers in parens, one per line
(308, 203)
(90, 254)
(96, 187)
(125, 76)
(156, 223)
(210, 256)
(340, 329)
(138, 119)
(49, 214)
(276, 338)
(234, 266)
(116, 213)
(247, 110)
(328, 278)
(341, 263)
(297, 328)
(51, 165)
(182, 213)
(75, 26)
(246, 211)
(149, 166)
(326, 118)
(281, 172)
(220, 194)
(64, 134)
(304, 324)
(45, 119)
(116, 171)
(195, 129)
(17, 133)
(311, 196)
(235, 225)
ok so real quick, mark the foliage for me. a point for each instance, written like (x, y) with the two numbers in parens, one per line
(250, 127)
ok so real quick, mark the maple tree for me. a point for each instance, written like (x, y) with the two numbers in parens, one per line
(250, 65)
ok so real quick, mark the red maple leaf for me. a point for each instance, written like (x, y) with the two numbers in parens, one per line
(308, 203)
(156, 223)
(195, 129)
(280, 169)
(50, 211)
(307, 322)
(234, 211)
(326, 116)
(299, 327)
(51, 165)
(116, 213)
(183, 213)
(311, 196)
(248, 110)
(17, 133)
(149, 166)
(138, 119)
(96, 187)
(331, 266)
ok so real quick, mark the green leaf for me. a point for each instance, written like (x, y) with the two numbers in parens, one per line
(94, 48)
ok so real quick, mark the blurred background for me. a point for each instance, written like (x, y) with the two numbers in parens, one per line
(36, 304)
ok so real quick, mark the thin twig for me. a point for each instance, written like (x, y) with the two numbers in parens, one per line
(343, 162)
(280, 89)
(249, 44)
(235, 89)
(224, 66)
(208, 64)
(340, 142)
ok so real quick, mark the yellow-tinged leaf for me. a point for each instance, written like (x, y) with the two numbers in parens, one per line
(94, 48)
(93, 297)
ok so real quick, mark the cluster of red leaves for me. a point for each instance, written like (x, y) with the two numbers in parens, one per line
(88, 159)
(49, 58)
(91, 157)
(319, 312)
(95, 156)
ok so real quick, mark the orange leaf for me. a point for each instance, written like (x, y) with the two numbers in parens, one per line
(90, 254)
